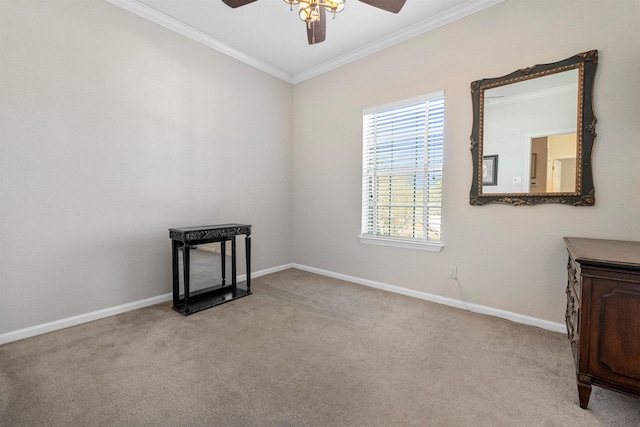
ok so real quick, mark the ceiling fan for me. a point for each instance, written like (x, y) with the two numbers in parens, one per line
(313, 12)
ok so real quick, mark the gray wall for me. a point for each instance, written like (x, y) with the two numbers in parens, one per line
(509, 258)
(113, 130)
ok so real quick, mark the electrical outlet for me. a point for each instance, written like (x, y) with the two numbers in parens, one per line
(453, 272)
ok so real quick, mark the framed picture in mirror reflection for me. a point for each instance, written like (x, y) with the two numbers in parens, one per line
(490, 170)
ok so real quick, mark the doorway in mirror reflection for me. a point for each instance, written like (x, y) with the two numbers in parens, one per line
(553, 163)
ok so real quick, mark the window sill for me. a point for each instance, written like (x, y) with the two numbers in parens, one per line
(402, 243)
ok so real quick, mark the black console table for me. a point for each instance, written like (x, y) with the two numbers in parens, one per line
(189, 237)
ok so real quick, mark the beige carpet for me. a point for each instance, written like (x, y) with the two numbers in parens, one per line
(303, 350)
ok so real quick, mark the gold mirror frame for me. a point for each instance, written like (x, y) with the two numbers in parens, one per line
(584, 194)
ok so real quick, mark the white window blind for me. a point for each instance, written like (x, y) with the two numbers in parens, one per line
(402, 170)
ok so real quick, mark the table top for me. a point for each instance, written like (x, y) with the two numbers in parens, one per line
(602, 251)
(208, 227)
(202, 233)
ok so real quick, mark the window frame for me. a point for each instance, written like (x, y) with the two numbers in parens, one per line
(397, 241)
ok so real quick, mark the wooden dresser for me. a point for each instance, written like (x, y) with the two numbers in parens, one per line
(603, 314)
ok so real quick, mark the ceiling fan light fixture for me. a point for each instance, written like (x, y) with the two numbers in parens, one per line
(291, 3)
(334, 6)
(313, 12)
(309, 11)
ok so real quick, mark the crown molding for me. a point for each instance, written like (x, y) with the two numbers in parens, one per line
(432, 23)
(538, 94)
(439, 20)
(172, 24)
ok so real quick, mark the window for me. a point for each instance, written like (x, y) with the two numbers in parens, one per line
(402, 173)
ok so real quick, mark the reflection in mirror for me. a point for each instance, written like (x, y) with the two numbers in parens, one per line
(517, 114)
(555, 172)
(205, 266)
(539, 122)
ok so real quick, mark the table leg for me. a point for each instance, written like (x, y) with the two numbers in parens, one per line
(247, 242)
(185, 269)
(223, 254)
(175, 245)
(233, 263)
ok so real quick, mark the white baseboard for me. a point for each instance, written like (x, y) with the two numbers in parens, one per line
(79, 319)
(475, 308)
(111, 311)
(266, 271)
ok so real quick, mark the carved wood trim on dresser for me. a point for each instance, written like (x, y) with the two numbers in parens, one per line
(603, 314)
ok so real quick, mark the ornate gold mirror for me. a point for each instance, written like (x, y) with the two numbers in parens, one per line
(533, 134)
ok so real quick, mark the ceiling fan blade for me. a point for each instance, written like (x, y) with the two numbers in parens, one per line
(317, 31)
(237, 3)
(393, 6)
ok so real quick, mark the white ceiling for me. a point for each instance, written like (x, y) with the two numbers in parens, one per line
(268, 36)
